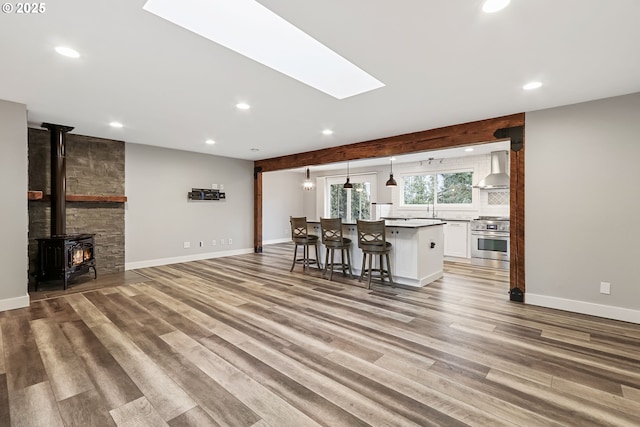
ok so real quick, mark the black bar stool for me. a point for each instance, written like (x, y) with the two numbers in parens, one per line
(332, 239)
(372, 241)
(301, 237)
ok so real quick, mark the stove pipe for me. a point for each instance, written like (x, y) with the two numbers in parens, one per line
(58, 178)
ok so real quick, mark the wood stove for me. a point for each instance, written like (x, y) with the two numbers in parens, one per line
(62, 256)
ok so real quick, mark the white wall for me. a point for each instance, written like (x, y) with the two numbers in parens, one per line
(13, 209)
(581, 201)
(159, 218)
(282, 197)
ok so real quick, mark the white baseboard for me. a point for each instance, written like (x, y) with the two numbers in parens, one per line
(275, 241)
(606, 311)
(13, 303)
(186, 258)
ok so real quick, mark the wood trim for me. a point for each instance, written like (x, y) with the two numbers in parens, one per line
(83, 198)
(472, 133)
(34, 195)
(87, 198)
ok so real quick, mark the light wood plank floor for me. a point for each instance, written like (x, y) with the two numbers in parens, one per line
(241, 341)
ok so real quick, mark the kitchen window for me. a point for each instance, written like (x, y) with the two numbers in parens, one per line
(452, 189)
(352, 203)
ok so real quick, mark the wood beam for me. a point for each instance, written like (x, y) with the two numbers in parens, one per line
(471, 133)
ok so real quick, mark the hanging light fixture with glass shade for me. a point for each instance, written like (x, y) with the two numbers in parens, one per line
(391, 182)
(347, 184)
(307, 184)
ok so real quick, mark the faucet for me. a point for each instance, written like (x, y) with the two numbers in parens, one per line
(433, 209)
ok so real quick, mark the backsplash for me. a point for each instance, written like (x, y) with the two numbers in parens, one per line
(494, 203)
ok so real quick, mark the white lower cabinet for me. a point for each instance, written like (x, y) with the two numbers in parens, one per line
(404, 254)
(456, 239)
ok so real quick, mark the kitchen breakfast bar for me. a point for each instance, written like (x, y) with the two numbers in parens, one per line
(417, 255)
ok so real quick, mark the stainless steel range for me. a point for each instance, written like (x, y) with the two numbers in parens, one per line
(490, 242)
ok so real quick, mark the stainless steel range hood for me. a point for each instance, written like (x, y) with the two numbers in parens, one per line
(498, 178)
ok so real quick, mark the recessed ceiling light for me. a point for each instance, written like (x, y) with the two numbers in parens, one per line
(532, 85)
(67, 51)
(210, 141)
(116, 125)
(243, 106)
(491, 6)
(468, 149)
(327, 132)
(250, 29)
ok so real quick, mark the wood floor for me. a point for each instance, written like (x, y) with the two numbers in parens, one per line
(240, 341)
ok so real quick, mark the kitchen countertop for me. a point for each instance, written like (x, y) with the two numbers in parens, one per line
(407, 218)
(404, 222)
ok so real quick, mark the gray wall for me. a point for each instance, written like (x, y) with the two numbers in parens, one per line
(13, 209)
(159, 218)
(582, 198)
(282, 197)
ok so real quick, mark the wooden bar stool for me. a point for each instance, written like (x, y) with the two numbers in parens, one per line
(332, 239)
(372, 241)
(301, 237)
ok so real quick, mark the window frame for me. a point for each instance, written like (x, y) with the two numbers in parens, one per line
(436, 205)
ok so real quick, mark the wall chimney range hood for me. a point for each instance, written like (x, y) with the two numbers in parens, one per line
(498, 178)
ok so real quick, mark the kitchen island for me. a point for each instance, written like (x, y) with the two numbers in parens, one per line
(417, 257)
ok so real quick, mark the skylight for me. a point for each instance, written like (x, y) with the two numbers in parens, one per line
(249, 28)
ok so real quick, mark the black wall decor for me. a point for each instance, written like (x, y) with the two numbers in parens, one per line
(206, 194)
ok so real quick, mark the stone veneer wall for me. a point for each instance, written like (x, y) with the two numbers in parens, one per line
(95, 166)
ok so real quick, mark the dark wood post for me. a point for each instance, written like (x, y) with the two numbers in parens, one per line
(257, 210)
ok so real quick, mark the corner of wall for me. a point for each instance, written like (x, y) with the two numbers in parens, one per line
(14, 207)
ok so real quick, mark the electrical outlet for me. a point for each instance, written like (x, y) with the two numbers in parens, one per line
(186, 245)
(605, 288)
(201, 244)
(221, 186)
(230, 241)
(213, 242)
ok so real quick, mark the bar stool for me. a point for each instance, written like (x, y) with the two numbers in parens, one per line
(332, 239)
(300, 237)
(372, 241)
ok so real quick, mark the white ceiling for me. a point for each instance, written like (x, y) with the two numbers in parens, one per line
(443, 62)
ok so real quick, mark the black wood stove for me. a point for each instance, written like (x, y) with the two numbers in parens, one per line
(62, 256)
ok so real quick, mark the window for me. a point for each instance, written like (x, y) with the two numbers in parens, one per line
(455, 188)
(446, 188)
(349, 204)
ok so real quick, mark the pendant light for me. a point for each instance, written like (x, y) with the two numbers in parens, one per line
(307, 184)
(347, 184)
(391, 182)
